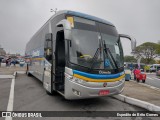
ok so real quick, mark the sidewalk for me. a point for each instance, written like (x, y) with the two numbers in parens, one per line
(144, 93)
(10, 70)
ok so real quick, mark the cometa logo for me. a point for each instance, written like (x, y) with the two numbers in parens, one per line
(104, 72)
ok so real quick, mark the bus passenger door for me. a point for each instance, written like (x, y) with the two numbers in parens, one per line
(59, 60)
(47, 80)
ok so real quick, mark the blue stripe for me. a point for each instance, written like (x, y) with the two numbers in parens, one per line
(98, 76)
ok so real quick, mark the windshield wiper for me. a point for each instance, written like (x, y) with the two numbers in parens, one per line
(107, 50)
(95, 57)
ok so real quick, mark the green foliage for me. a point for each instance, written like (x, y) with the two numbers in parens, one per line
(146, 67)
(129, 59)
(148, 51)
(152, 61)
(158, 62)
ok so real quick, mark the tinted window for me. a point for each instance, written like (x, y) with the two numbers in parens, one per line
(84, 24)
(107, 29)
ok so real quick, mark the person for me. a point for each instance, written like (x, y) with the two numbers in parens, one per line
(9, 62)
(6, 62)
(14, 62)
(0, 61)
(136, 71)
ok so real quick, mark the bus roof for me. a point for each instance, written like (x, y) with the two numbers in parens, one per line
(90, 17)
(75, 14)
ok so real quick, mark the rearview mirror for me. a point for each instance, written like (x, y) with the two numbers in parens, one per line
(48, 41)
(133, 41)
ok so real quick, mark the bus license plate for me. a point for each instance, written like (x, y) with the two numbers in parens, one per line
(104, 92)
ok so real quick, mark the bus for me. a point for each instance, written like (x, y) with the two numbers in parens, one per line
(78, 56)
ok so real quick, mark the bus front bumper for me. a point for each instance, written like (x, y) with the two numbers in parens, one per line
(75, 90)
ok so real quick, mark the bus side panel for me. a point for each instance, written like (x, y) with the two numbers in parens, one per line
(36, 50)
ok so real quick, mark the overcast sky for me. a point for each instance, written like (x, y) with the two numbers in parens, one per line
(20, 19)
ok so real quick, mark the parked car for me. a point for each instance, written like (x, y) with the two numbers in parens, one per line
(21, 63)
(153, 67)
(15, 60)
(158, 71)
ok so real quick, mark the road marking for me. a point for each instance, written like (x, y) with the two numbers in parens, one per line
(152, 87)
(11, 99)
(153, 78)
(150, 78)
(155, 88)
(157, 78)
(6, 76)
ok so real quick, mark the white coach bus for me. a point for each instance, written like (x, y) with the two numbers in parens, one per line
(78, 55)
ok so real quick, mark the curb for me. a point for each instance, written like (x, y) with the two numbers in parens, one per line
(21, 72)
(6, 76)
(139, 103)
(150, 73)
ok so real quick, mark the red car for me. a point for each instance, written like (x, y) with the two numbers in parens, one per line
(141, 76)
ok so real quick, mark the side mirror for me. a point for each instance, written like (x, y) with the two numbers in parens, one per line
(133, 41)
(48, 41)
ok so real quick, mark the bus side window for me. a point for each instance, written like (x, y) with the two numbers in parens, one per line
(48, 47)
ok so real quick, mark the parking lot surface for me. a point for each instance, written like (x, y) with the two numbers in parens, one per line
(29, 95)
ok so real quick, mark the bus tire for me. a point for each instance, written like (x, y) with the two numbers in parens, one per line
(143, 81)
(51, 94)
(28, 74)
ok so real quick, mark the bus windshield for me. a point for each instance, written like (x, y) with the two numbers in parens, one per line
(87, 48)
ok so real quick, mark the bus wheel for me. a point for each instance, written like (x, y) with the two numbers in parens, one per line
(53, 93)
(28, 74)
(143, 81)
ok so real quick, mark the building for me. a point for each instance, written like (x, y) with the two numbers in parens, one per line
(2, 51)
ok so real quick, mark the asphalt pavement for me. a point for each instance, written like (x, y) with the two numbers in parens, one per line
(142, 92)
(29, 95)
(153, 80)
(4, 93)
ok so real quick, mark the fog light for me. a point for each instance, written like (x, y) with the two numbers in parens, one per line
(76, 92)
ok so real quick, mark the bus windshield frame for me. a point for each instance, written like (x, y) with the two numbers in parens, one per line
(87, 37)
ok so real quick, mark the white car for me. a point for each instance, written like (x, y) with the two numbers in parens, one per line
(21, 63)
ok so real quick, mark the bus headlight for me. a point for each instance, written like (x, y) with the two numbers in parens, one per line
(74, 79)
(77, 80)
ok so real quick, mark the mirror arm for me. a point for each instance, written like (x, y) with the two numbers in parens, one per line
(132, 39)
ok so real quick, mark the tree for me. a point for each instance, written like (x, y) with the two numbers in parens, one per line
(158, 47)
(148, 51)
(129, 59)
